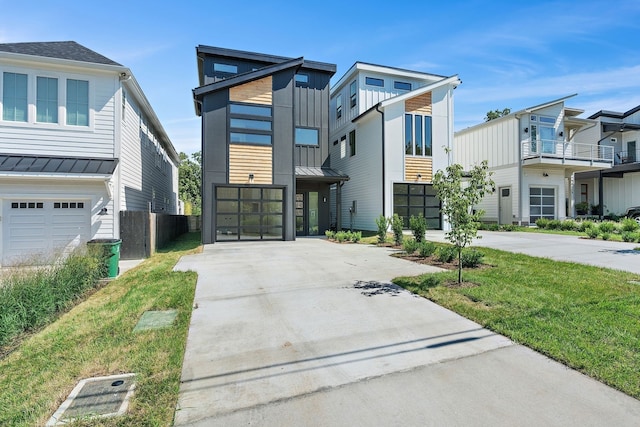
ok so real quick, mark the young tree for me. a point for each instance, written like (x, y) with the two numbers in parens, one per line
(459, 192)
(189, 180)
(496, 114)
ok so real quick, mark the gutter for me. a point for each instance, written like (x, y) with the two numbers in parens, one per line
(383, 163)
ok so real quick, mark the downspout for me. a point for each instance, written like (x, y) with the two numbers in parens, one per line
(520, 173)
(383, 163)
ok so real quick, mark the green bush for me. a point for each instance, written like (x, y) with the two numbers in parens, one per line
(583, 225)
(331, 235)
(410, 246)
(629, 224)
(606, 236)
(607, 227)
(569, 225)
(471, 258)
(446, 253)
(31, 299)
(592, 232)
(355, 236)
(493, 227)
(396, 227)
(542, 222)
(426, 249)
(383, 225)
(418, 226)
(429, 281)
(629, 236)
(341, 236)
(554, 224)
(509, 227)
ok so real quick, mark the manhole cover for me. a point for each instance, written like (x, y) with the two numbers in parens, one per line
(96, 397)
(155, 320)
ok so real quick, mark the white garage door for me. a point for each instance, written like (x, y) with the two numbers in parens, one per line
(36, 230)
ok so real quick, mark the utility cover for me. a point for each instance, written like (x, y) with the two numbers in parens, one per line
(96, 397)
(156, 320)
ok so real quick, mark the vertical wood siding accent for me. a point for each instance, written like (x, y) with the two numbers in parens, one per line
(418, 165)
(250, 159)
(256, 92)
(420, 104)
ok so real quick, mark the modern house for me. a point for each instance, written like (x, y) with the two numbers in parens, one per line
(533, 154)
(619, 186)
(390, 129)
(79, 143)
(265, 145)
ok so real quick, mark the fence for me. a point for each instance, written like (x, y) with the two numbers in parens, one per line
(143, 233)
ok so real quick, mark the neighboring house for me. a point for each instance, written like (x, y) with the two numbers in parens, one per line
(390, 129)
(533, 154)
(619, 186)
(265, 145)
(79, 143)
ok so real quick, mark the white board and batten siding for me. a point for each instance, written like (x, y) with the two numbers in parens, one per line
(497, 142)
(620, 194)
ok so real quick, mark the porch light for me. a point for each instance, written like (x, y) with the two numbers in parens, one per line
(250, 178)
(545, 174)
(561, 134)
(418, 177)
(526, 130)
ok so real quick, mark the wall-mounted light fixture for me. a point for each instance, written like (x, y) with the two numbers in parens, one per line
(251, 178)
(545, 174)
(561, 134)
(419, 176)
(103, 211)
(526, 130)
(324, 200)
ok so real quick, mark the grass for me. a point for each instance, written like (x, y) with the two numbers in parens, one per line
(95, 338)
(585, 317)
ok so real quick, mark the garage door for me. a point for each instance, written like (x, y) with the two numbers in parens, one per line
(35, 230)
(542, 203)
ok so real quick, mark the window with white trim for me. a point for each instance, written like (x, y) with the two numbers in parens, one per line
(14, 97)
(46, 99)
(417, 135)
(77, 102)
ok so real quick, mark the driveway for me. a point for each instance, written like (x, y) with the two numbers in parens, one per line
(601, 253)
(311, 333)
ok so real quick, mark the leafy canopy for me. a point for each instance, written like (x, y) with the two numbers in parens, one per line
(491, 115)
(189, 182)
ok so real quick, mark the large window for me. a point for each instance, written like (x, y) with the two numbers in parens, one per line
(302, 80)
(352, 94)
(225, 68)
(47, 100)
(542, 203)
(417, 135)
(415, 200)
(401, 85)
(352, 143)
(372, 81)
(250, 124)
(14, 97)
(77, 102)
(249, 213)
(306, 136)
(339, 106)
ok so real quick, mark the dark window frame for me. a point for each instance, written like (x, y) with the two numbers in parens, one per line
(352, 143)
(234, 131)
(353, 94)
(374, 81)
(295, 136)
(301, 79)
(339, 106)
(401, 85)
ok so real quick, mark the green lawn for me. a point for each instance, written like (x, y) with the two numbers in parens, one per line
(585, 317)
(95, 338)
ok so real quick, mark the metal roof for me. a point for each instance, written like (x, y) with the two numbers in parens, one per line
(320, 174)
(69, 50)
(51, 164)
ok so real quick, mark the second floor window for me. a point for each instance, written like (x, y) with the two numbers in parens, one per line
(307, 136)
(250, 124)
(417, 135)
(352, 143)
(77, 102)
(47, 100)
(352, 94)
(339, 106)
(14, 97)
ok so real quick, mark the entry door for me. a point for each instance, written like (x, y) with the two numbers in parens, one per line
(506, 206)
(307, 211)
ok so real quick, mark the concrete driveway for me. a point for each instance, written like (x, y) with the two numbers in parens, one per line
(311, 333)
(601, 253)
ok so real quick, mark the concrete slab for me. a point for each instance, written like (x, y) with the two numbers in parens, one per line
(312, 333)
(125, 265)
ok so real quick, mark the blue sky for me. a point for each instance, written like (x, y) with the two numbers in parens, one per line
(507, 53)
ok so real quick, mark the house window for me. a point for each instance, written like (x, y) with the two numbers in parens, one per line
(14, 97)
(401, 85)
(343, 146)
(47, 100)
(77, 102)
(352, 94)
(417, 135)
(339, 106)
(27, 205)
(250, 110)
(306, 136)
(584, 193)
(302, 80)
(372, 81)
(352, 143)
(250, 138)
(225, 68)
(124, 104)
(250, 124)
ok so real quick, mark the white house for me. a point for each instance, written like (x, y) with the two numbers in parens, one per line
(619, 186)
(533, 154)
(79, 143)
(388, 129)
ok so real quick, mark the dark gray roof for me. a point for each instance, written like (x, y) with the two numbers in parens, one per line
(52, 164)
(63, 50)
(320, 174)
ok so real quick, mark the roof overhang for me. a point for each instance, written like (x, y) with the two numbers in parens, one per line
(619, 127)
(617, 171)
(327, 175)
(56, 166)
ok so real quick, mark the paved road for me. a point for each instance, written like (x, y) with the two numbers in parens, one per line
(601, 253)
(311, 333)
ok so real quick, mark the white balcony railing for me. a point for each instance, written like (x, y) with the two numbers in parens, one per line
(553, 149)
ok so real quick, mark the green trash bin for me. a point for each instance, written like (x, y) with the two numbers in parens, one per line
(111, 253)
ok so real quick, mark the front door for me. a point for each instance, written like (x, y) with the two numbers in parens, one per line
(307, 211)
(506, 206)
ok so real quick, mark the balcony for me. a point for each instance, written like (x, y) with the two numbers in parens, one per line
(626, 157)
(566, 154)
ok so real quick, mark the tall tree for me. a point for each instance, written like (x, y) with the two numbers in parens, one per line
(459, 193)
(491, 115)
(189, 181)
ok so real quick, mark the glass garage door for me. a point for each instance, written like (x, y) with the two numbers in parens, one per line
(542, 203)
(414, 200)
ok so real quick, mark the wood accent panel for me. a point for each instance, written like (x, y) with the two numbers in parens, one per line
(420, 104)
(250, 159)
(255, 92)
(418, 165)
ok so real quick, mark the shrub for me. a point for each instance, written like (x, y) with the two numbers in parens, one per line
(582, 226)
(355, 236)
(383, 225)
(606, 236)
(542, 222)
(396, 227)
(629, 236)
(471, 258)
(554, 224)
(509, 227)
(493, 227)
(582, 208)
(595, 209)
(569, 225)
(446, 253)
(418, 226)
(409, 246)
(426, 249)
(629, 224)
(341, 236)
(429, 281)
(607, 227)
(592, 232)
(331, 235)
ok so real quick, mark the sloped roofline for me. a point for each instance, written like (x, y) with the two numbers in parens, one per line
(615, 114)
